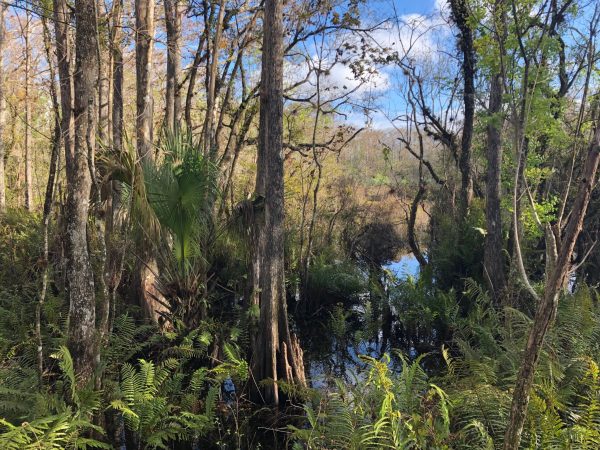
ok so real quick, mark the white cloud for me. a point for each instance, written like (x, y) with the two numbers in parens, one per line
(341, 77)
(337, 79)
(441, 6)
(416, 36)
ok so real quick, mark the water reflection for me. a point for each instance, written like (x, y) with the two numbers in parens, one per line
(406, 266)
(333, 352)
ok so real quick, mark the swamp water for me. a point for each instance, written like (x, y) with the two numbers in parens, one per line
(334, 341)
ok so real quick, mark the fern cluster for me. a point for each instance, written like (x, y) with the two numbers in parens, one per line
(382, 411)
(465, 404)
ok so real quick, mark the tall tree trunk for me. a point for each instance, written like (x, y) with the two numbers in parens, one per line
(2, 111)
(276, 353)
(493, 260)
(27, 143)
(116, 83)
(144, 43)
(173, 91)
(460, 15)
(81, 340)
(114, 248)
(117, 78)
(62, 19)
(104, 64)
(99, 207)
(147, 267)
(49, 197)
(548, 304)
(212, 66)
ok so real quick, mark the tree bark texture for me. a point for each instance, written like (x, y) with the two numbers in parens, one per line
(62, 19)
(81, 339)
(49, 197)
(460, 15)
(276, 352)
(144, 43)
(192, 79)
(493, 260)
(173, 91)
(412, 218)
(208, 131)
(147, 268)
(104, 64)
(117, 78)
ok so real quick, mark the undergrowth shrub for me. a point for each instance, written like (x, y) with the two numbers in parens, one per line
(330, 282)
(383, 410)
(49, 421)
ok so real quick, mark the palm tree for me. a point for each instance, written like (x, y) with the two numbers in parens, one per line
(171, 198)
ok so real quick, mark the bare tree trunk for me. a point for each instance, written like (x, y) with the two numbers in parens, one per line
(305, 256)
(117, 78)
(276, 352)
(460, 15)
(27, 143)
(208, 130)
(49, 197)
(493, 260)
(414, 208)
(62, 19)
(144, 43)
(548, 304)
(147, 268)
(192, 77)
(115, 255)
(99, 207)
(82, 340)
(3, 7)
(104, 57)
(173, 91)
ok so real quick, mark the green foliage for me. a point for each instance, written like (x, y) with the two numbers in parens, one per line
(20, 245)
(330, 282)
(20, 242)
(381, 411)
(162, 404)
(180, 190)
(563, 408)
(424, 310)
(451, 388)
(338, 322)
(127, 340)
(456, 249)
(62, 431)
(466, 404)
(57, 424)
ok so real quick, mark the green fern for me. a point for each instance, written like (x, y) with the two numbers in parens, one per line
(383, 411)
(63, 431)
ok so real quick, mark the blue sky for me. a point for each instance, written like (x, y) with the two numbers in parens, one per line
(415, 17)
(415, 6)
